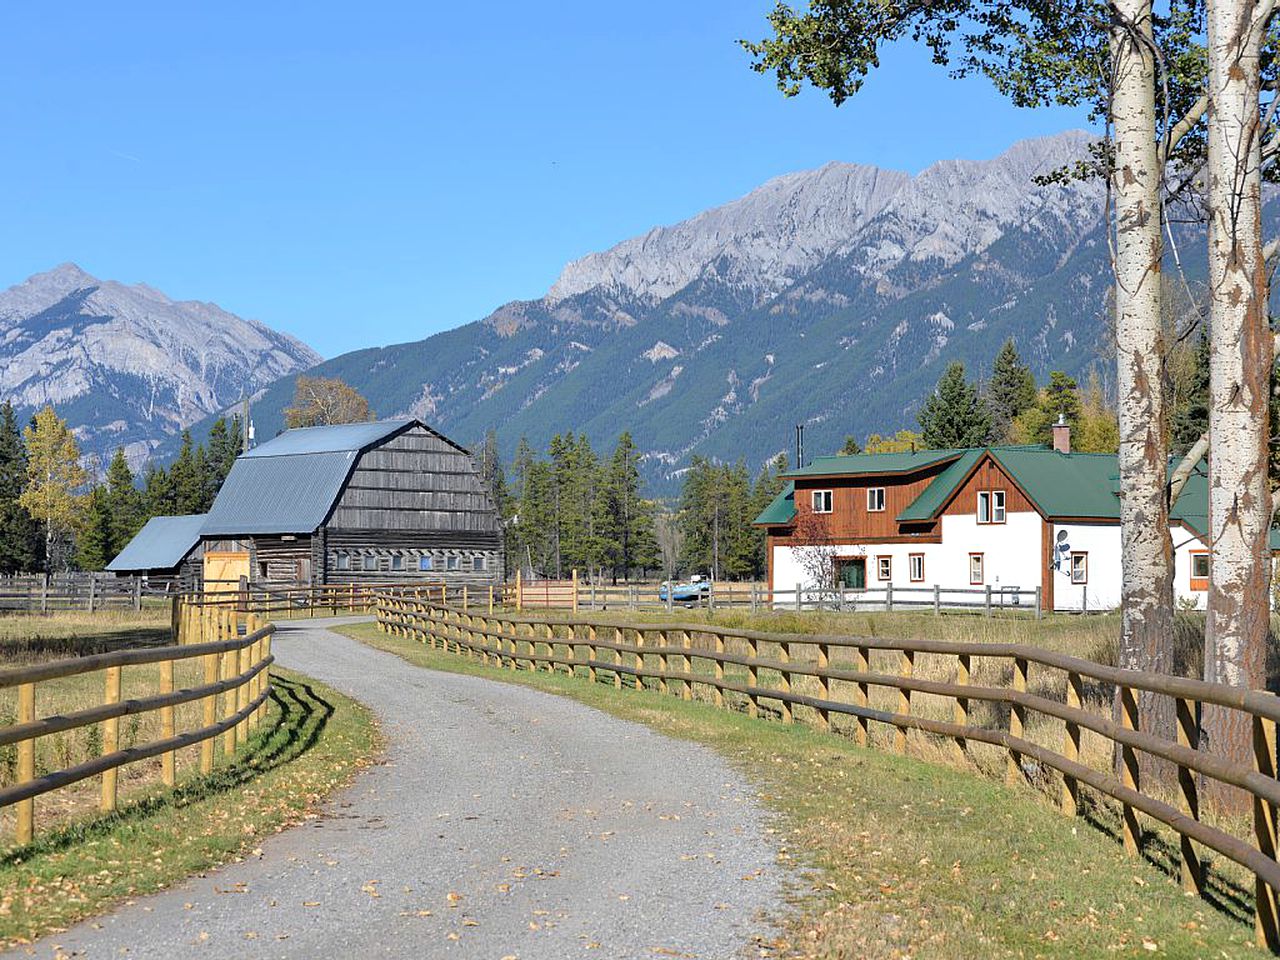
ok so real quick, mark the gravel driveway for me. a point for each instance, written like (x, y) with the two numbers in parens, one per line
(504, 823)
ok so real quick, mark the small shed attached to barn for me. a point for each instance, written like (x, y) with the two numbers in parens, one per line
(382, 501)
(166, 551)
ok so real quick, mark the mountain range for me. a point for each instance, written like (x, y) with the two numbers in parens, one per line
(126, 365)
(832, 297)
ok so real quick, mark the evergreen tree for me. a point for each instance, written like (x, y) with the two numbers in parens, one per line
(850, 448)
(187, 478)
(95, 542)
(157, 492)
(954, 415)
(767, 486)
(123, 504)
(224, 446)
(21, 540)
(1191, 413)
(1059, 398)
(625, 520)
(1011, 390)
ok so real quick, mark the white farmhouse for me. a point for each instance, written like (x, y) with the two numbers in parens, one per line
(1013, 517)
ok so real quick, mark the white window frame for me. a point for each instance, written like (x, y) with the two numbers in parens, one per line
(915, 567)
(983, 511)
(822, 501)
(426, 563)
(453, 562)
(981, 568)
(342, 561)
(369, 563)
(480, 563)
(1080, 573)
(875, 499)
(884, 568)
(998, 499)
(397, 562)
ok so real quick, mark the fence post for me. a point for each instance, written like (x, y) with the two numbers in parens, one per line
(687, 693)
(639, 659)
(824, 689)
(1189, 736)
(755, 596)
(1017, 718)
(799, 599)
(718, 670)
(987, 610)
(1039, 603)
(711, 595)
(888, 598)
(110, 740)
(491, 599)
(591, 652)
(1267, 915)
(663, 638)
(753, 676)
(860, 696)
(465, 597)
(784, 656)
(26, 764)
(906, 668)
(1071, 745)
(519, 592)
(960, 711)
(93, 587)
(937, 599)
(167, 766)
(44, 594)
(210, 711)
(137, 593)
(575, 589)
(618, 637)
(1129, 768)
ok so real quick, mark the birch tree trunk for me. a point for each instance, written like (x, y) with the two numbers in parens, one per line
(1146, 549)
(1239, 373)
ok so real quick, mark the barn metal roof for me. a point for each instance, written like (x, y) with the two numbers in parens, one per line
(161, 544)
(290, 483)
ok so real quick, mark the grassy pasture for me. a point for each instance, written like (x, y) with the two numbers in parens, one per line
(903, 858)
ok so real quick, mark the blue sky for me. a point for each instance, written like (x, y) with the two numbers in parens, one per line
(371, 173)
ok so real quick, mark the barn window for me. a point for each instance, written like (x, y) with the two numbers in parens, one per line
(397, 562)
(426, 563)
(451, 562)
(371, 563)
(481, 562)
(343, 561)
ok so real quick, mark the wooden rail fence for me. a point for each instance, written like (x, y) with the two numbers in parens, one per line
(759, 671)
(47, 593)
(234, 648)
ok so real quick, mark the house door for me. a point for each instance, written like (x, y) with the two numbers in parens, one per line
(852, 574)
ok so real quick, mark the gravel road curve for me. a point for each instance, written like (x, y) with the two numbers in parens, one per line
(504, 823)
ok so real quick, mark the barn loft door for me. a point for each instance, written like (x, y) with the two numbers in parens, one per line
(223, 570)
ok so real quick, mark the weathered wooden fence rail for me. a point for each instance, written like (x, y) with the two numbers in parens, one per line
(49, 593)
(580, 594)
(235, 650)
(811, 678)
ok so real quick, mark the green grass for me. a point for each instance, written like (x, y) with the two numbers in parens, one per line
(898, 857)
(312, 741)
(28, 638)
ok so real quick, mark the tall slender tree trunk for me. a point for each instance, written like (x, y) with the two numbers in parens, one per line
(1239, 374)
(1146, 637)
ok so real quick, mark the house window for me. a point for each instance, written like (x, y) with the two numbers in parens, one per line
(1200, 571)
(875, 499)
(344, 562)
(397, 562)
(1079, 568)
(976, 577)
(991, 506)
(426, 563)
(371, 563)
(915, 566)
(884, 568)
(452, 562)
(822, 501)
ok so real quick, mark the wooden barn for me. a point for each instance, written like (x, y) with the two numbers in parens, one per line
(383, 501)
(166, 551)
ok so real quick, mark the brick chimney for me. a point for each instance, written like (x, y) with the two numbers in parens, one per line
(1062, 435)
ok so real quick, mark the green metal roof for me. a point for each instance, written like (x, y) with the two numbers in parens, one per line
(781, 510)
(944, 484)
(874, 463)
(1064, 484)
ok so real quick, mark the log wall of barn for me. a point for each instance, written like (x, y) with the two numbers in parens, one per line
(414, 508)
(281, 559)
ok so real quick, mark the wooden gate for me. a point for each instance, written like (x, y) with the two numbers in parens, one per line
(223, 570)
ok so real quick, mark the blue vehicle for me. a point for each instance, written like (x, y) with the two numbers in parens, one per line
(692, 591)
